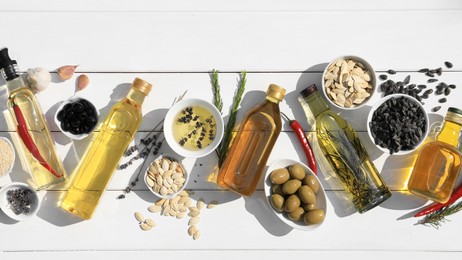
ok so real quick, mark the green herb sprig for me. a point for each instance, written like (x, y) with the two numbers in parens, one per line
(437, 218)
(222, 149)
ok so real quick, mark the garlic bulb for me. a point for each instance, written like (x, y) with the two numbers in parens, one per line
(38, 78)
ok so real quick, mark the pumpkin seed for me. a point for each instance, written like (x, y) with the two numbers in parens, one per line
(212, 204)
(150, 222)
(154, 208)
(139, 216)
(145, 226)
(194, 220)
(192, 229)
(197, 235)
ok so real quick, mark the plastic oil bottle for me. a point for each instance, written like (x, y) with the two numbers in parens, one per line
(252, 145)
(103, 154)
(438, 163)
(37, 146)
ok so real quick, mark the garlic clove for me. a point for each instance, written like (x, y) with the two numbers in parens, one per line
(66, 72)
(38, 78)
(82, 82)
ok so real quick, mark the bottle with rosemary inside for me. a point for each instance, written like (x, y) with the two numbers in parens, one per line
(438, 163)
(252, 145)
(346, 155)
(100, 160)
(37, 149)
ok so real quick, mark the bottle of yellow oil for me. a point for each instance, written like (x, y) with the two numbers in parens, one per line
(92, 175)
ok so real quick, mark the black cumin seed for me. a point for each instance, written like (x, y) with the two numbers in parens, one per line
(439, 71)
(431, 80)
(407, 79)
(435, 109)
(430, 74)
(422, 86)
(391, 72)
(442, 100)
(448, 64)
(383, 77)
(424, 70)
(452, 86)
(447, 91)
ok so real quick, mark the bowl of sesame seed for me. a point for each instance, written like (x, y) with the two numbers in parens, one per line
(19, 201)
(8, 156)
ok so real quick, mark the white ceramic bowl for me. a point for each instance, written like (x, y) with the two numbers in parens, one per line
(5, 206)
(58, 123)
(378, 104)
(169, 124)
(8, 171)
(373, 81)
(321, 202)
(172, 195)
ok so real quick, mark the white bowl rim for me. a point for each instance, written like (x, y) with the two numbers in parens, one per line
(173, 195)
(10, 169)
(321, 199)
(61, 106)
(4, 203)
(174, 110)
(379, 103)
(373, 79)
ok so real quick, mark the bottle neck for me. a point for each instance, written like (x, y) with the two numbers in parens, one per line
(316, 104)
(449, 133)
(272, 99)
(135, 97)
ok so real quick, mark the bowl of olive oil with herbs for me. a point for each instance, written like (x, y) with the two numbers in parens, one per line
(193, 128)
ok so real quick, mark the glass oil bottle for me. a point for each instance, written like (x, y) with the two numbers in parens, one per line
(346, 155)
(37, 146)
(252, 145)
(438, 163)
(100, 160)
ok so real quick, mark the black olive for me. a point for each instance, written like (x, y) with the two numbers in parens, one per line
(83, 115)
(85, 129)
(76, 123)
(67, 107)
(70, 114)
(65, 126)
(77, 107)
(61, 115)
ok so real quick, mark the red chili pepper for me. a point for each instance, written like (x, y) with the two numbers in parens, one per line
(304, 142)
(436, 206)
(28, 142)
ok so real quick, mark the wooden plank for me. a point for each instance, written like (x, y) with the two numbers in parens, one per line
(268, 41)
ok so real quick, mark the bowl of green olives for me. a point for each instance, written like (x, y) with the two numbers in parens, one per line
(295, 194)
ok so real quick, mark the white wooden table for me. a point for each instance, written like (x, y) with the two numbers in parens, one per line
(174, 45)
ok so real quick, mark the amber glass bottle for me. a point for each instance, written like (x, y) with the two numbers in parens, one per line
(252, 145)
(103, 154)
(438, 163)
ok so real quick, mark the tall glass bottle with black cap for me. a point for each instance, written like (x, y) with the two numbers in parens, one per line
(36, 145)
(438, 163)
(346, 155)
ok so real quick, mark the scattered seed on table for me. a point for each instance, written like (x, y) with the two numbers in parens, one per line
(432, 80)
(452, 86)
(424, 70)
(411, 86)
(430, 74)
(439, 71)
(391, 72)
(428, 92)
(447, 91)
(448, 64)
(422, 86)
(439, 92)
(139, 216)
(383, 77)
(435, 109)
(407, 79)
(442, 100)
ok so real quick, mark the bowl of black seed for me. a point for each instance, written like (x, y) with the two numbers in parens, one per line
(19, 201)
(76, 117)
(398, 124)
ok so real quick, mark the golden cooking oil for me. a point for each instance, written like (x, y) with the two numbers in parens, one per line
(438, 163)
(252, 145)
(194, 128)
(103, 154)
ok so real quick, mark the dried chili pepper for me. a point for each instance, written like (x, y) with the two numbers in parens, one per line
(437, 206)
(303, 141)
(29, 142)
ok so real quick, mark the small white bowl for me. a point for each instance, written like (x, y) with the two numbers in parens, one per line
(169, 124)
(5, 206)
(367, 66)
(8, 171)
(172, 195)
(378, 104)
(58, 123)
(321, 202)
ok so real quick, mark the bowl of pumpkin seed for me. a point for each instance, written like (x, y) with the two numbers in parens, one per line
(349, 82)
(166, 177)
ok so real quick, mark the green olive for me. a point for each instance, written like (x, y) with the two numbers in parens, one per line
(291, 186)
(277, 201)
(297, 214)
(297, 171)
(279, 176)
(308, 207)
(277, 189)
(306, 194)
(311, 181)
(315, 216)
(292, 203)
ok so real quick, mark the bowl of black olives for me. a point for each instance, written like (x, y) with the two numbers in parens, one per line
(76, 117)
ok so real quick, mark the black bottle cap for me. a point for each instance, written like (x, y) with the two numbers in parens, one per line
(309, 90)
(8, 65)
(455, 110)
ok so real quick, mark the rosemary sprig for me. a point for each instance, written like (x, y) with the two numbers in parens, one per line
(217, 100)
(223, 147)
(437, 218)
